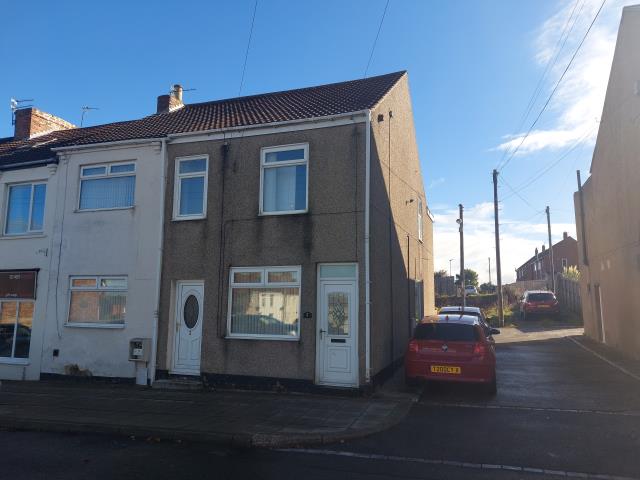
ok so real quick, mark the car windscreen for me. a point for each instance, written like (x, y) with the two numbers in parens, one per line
(446, 332)
(540, 297)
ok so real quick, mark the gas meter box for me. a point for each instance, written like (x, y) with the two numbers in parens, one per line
(139, 349)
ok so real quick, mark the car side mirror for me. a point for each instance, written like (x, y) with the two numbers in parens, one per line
(494, 331)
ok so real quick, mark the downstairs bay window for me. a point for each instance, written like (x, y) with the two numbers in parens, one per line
(264, 303)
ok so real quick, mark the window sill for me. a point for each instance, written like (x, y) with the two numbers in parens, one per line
(26, 235)
(262, 337)
(82, 210)
(186, 219)
(14, 361)
(292, 212)
(95, 325)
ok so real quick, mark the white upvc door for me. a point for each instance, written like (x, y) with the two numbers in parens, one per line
(337, 362)
(188, 328)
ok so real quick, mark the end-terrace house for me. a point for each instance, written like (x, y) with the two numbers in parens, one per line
(81, 212)
(298, 242)
(607, 206)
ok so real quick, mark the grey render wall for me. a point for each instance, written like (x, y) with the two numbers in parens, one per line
(398, 258)
(332, 231)
(611, 199)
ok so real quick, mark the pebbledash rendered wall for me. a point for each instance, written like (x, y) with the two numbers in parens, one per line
(29, 252)
(119, 242)
(398, 258)
(233, 232)
(611, 200)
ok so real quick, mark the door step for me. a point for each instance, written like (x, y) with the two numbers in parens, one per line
(178, 384)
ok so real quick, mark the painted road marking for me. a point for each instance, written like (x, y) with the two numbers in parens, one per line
(604, 359)
(454, 463)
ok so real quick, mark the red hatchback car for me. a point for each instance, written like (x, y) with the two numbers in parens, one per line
(538, 301)
(452, 348)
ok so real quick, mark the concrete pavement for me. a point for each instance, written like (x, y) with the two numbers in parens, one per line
(238, 418)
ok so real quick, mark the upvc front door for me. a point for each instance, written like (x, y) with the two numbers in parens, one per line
(337, 332)
(188, 328)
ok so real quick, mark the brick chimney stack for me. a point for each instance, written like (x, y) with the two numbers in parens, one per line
(564, 235)
(543, 247)
(31, 122)
(170, 102)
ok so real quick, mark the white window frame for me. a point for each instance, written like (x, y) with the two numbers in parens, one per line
(29, 231)
(97, 288)
(288, 163)
(107, 174)
(264, 284)
(177, 185)
(420, 221)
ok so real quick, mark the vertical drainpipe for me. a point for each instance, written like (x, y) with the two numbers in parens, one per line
(154, 340)
(367, 275)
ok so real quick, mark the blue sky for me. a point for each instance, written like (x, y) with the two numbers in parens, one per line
(472, 66)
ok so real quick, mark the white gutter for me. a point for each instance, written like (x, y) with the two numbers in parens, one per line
(151, 370)
(367, 276)
(118, 143)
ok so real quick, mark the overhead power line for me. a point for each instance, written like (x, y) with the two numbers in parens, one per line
(555, 88)
(553, 59)
(550, 64)
(373, 47)
(504, 181)
(246, 53)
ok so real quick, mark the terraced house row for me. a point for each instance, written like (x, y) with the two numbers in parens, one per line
(276, 238)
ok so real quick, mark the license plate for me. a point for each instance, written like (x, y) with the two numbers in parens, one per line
(543, 306)
(445, 369)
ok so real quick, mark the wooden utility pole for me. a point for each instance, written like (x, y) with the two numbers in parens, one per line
(553, 270)
(497, 229)
(462, 279)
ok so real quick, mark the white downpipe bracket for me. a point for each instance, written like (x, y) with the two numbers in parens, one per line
(367, 277)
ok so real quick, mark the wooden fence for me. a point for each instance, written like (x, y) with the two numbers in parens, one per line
(568, 293)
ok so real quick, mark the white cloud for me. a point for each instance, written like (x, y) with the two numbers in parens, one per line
(577, 104)
(435, 183)
(518, 239)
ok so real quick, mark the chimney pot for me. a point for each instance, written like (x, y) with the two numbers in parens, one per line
(564, 235)
(543, 247)
(177, 92)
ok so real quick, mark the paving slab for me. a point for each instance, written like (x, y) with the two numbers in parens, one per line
(238, 418)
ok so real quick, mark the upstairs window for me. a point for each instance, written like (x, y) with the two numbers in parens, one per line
(190, 192)
(284, 179)
(107, 186)
(25, 209)
(420, 228)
